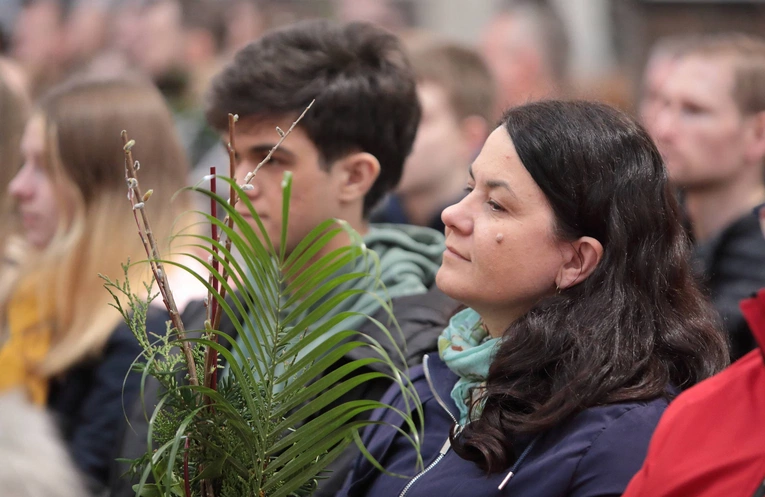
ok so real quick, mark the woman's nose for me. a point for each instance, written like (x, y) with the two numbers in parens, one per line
(457, 218)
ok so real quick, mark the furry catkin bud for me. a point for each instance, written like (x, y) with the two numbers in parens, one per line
(129, 145)
(280, 131)
(139, 205)
(147, 195)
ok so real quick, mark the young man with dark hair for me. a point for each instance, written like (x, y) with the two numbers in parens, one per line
(345, 155)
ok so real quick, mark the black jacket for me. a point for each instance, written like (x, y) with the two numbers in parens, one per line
(732, 267)
(421, 318)
(87, 401)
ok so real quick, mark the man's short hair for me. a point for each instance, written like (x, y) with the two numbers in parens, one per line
(366, 99)
(747, 54)
(460, 71)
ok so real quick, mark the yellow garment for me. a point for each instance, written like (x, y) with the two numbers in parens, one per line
(24, 342)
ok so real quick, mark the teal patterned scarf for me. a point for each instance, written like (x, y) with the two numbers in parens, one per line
(467, 349)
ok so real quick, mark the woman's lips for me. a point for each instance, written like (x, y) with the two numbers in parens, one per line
(453, 253)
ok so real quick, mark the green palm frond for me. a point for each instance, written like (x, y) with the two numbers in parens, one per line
(276, 419)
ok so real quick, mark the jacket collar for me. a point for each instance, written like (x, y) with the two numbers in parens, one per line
(441, 380)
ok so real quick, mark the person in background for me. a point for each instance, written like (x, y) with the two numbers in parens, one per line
(65, 346)
(246, 21)
(710, 129)
(661, 59)
(177, 45)
(39, 43)
(457, 94)
(583, 318)
(526, 47)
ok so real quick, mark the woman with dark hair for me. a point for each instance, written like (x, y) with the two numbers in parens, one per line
(583, 318)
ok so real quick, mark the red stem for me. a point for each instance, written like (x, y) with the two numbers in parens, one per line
(214, 230)
(186, 484)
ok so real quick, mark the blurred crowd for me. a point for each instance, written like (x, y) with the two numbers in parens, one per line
(74, 73)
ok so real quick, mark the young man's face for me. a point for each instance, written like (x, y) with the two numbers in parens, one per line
(699, 128)
(313, 198)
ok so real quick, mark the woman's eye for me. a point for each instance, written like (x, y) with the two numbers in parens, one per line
(468, 189)
(495, 206)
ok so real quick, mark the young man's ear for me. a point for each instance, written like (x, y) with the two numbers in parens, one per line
(356, 174)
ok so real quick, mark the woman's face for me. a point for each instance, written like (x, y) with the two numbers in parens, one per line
(502, 254)
(33, 190)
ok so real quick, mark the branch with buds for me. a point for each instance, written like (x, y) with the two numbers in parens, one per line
(213, 309)
(138, 201)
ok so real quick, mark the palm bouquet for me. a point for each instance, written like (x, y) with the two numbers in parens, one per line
(272, 423)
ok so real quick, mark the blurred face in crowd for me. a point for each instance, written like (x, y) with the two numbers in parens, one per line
(517, 66)
(502, 253)
(656, 73)
(314, 196)
(33, 188)
(38, 35)
(158, 47)
(440, 148)
(704, 137)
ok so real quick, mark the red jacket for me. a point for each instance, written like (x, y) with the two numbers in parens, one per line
(711, 439)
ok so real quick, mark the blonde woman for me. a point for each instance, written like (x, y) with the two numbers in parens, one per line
(67, 347)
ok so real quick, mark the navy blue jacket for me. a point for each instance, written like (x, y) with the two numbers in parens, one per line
(593, 454)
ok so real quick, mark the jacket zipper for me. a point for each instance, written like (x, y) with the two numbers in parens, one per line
(447, 445)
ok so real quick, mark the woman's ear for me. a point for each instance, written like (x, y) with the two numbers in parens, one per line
(581, 257)
(356, 174)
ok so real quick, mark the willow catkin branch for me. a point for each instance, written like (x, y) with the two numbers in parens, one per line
(150, 244)
(232, 119)
(283, 135)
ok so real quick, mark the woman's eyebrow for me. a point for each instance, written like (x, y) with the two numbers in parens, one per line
(493, 183)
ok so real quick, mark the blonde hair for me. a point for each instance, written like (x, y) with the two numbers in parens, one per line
(83, 121)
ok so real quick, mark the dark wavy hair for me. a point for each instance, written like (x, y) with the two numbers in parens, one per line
(637, 325)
